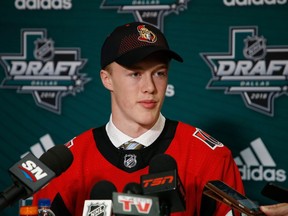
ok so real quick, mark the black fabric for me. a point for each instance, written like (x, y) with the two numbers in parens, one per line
(58, 206)
(208, 206)
(129, 43)
(116, 156)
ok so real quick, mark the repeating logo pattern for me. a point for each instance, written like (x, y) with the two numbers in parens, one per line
(41, 69)
(43, 4)
(251, 68)
(256, 163)
(39, 148)
(151, 11)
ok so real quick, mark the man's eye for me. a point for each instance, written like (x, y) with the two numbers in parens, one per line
(161, 73)
(135, 74)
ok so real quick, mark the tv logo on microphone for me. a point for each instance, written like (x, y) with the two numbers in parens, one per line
(143, 205)
(133, 204)
(31, 171)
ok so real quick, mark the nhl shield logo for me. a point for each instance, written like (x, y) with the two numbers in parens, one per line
(255, 48)
(130, 160)
(96, 210)
(44, 49)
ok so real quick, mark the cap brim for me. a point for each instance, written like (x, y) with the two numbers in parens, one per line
(130, 58)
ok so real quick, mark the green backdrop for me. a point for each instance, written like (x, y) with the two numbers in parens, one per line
(232, 84)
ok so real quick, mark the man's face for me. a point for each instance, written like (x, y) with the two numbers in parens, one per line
(138, 92)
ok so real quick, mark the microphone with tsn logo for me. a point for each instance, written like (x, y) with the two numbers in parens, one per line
(132, 202)
(100, 202)
(30, 174)
(163, 181)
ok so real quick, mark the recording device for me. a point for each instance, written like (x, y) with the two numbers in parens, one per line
(133, 188)
(221, 192)
(163, 181)
(132, 202)
(30, 174)
(275, 192)
(100, 202)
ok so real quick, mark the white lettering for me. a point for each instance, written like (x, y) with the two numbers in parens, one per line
(276, 66)
(43, 4)
(35, 170)
(262, 174)
(35, 68)
(47, 69)
(249, 68)
(259, 68)
(18, 68)
(226, 68)
(65, 66)
(170, 91)
(29, 165)
(243, 67)
(38, 173)
(230, 3)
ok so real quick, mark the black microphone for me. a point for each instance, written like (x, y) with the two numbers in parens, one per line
(102, 190)
(30, 174)
(275, 192)
(132, 202)
(100, 202)
(163, 181)
(133, 188)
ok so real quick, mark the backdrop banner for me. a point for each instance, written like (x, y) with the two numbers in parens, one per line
(233, 83)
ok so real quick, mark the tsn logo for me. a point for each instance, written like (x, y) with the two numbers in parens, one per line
(32, 171)
(157, 181)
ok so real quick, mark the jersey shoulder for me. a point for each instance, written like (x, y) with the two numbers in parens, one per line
(199, 138)
(76, 143)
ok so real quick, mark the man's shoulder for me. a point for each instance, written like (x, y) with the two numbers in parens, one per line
(199, 138)
(82, 137)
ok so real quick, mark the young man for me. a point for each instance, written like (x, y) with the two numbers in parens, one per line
(135, 63)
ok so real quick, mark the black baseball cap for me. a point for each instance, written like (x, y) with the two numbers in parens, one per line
(131, 42)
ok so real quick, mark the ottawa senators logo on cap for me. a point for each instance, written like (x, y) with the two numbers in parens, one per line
(146, 35)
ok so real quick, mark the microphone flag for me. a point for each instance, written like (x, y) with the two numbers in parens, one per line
(167, 186)
(134, 204)
(32, 173)
(97, 207)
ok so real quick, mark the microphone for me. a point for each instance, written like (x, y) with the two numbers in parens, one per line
(100, 202)
(132, 202)
(30, 174)
(163, 181)
(275, 192)
(133, 188)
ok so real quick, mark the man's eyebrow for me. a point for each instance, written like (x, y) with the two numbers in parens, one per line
(138, 67)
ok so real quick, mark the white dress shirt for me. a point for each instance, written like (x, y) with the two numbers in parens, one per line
(118, 138)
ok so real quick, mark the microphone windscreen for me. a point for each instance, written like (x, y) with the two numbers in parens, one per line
(102, 190)
(57, 158)
(162, 163)
(133, 188)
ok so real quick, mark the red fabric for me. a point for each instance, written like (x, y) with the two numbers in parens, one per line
(197, 163)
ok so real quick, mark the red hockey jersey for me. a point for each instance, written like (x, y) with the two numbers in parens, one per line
(199, 158)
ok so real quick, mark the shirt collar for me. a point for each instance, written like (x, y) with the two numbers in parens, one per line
(118, 138)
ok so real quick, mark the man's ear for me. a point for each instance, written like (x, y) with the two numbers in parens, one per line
(106, 79)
